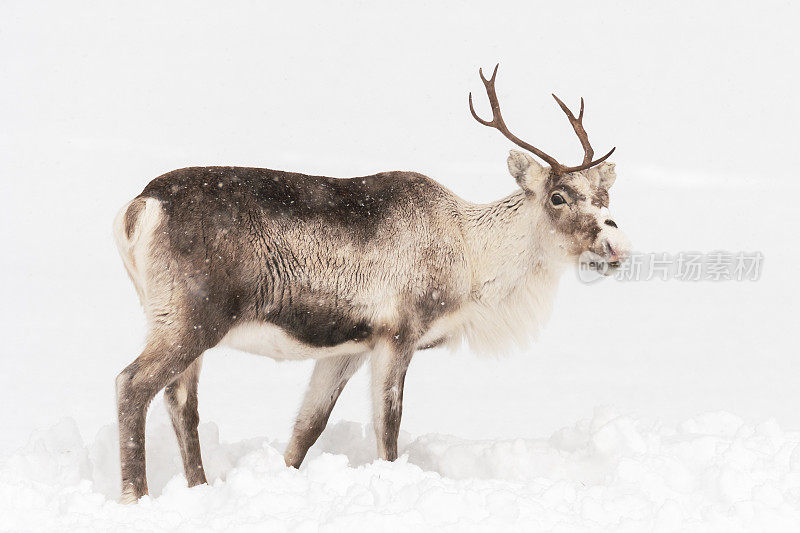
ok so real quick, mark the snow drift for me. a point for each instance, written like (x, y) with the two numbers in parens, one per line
(610, 472)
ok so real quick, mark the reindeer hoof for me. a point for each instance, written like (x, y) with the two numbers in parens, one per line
(128, 497)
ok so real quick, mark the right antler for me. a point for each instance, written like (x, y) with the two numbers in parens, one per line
(577, 124)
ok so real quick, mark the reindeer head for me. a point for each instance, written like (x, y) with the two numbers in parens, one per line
(574, 200)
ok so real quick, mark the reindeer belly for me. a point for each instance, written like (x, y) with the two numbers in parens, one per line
(267, 339)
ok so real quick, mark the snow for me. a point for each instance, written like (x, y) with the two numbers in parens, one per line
(98, 98)
(611, 471)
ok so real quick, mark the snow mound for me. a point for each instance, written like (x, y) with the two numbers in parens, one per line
(611, 472)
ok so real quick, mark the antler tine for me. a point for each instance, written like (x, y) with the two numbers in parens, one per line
(494, 74)
(497, 118)
(588, 164)
(577, 125)
(500, 125)
(475, 115)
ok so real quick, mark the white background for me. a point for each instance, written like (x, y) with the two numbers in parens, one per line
(701, 100)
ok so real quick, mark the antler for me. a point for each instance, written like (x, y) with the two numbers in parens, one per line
(577, 124)
(498, 123)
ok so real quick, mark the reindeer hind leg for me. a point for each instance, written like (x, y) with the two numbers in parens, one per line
(181, 400)
(173, 346)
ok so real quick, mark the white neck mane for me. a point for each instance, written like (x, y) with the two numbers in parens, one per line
(515, 271)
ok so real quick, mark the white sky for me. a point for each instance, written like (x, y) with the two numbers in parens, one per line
(350, 88)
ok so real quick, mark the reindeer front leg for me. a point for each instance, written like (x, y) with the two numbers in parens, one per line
(329, 378)
(390, 362)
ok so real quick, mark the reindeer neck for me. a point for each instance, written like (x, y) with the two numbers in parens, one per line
(509, 246)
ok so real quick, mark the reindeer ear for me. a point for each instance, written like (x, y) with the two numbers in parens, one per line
(526, 170)
(607, 174)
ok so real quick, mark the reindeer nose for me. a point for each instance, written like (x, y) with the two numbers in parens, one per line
(608, 248)
(616, 250)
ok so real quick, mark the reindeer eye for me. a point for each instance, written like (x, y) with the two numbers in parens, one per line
(557, 199)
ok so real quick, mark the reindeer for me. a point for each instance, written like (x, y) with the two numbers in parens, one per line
(294, 266)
